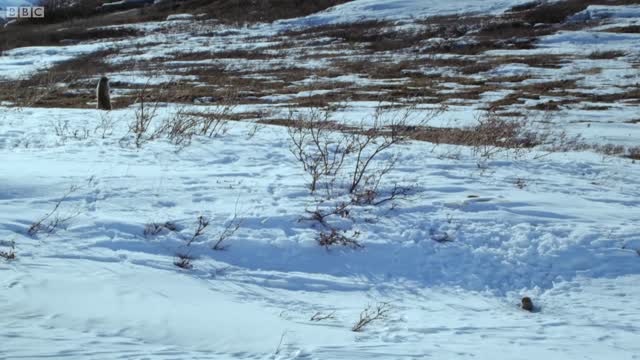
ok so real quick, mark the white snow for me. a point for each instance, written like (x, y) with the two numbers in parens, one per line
(601, 12)
(567, 239)
(359, 10)
(23, 62)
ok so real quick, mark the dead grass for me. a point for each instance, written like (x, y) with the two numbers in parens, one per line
(633, 153)
(56, 34)
(61, 85)
(631, 29)
(606, 55)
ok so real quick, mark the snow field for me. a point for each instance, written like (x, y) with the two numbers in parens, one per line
(567, 239)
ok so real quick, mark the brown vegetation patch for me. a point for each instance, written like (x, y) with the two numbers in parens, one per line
(59, 86)
(42, 35)
(606, 55)
(631, 29)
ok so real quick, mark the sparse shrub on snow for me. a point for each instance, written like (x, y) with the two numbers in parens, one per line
(10, 252)
(55, 218)
(145, 113)
(371, 314)
(346, 159)
(152, 229)
(336, 237)
(634, 153)
(183, 261)
(229, 230)
(320, 316)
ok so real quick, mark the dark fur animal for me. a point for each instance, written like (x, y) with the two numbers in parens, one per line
(102, 94)
(527, 304)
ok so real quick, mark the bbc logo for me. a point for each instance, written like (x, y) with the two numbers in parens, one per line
(14, 12)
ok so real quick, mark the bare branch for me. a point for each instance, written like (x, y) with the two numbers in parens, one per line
(370, 314)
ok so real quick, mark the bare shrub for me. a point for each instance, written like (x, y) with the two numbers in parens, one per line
(212, 122)
(321, 213)
(203, 223)
(105, 126)
(229, 230)
(183, 261)
(152, 229)
(610, 149)
(181, 128)
(215, 119)
(254, 130)
(335, 237)
(64, 131)
(372, 140)
(54, 219)
(148, 102)
(329, 152)
(374, 196)
(371, 314)
(493, 135)
(144, 115)
(9, 254)
(634, 153)
(320, 316)
(520, 183)
(183, 257)
(318, 146)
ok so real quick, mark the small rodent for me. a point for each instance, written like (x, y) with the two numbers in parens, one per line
(527, 304)
(102, 94)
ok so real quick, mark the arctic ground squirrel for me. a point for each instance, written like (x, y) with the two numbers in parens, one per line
(527, 304)
(102, 94)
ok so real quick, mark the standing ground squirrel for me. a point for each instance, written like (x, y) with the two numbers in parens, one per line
(102, 94)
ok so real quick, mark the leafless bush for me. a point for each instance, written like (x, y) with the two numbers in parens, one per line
(9, 254)
(520, 183)
(254, 130)
(329, 152)
(148, 104)
(64, 131)
(320, 316)
(335, 237)
(369, 141)
(213, 122)
(203, 223)
(105, 126)
(634, 153)
(215, 119)
(318, 146)
(321, 213)
(610, 149)
(152, 229)
(229, 230)
(493, 135)
(141, 126)
(183, 257)
(181, 128)
(183, 261)
(54, 219)
(370, 314)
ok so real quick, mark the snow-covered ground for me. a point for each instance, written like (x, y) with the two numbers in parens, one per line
(98, 287)
(359, 10)
(450, 261)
